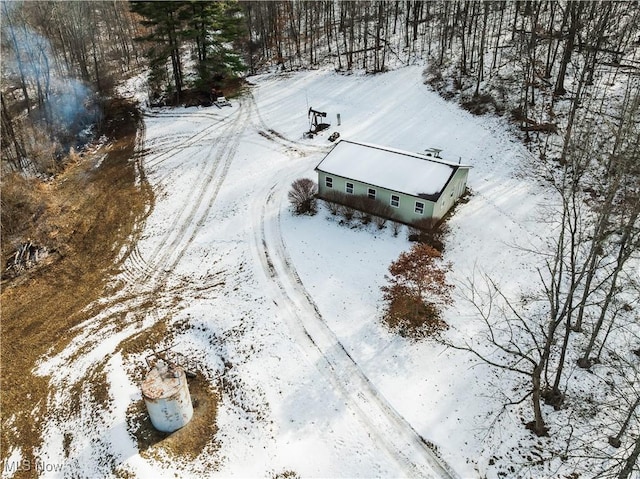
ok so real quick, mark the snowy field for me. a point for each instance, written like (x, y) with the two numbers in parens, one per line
(288, 308)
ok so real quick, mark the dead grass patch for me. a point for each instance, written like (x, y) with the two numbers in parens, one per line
(90, 213)
(289, 474)
(414, 319)
(147, 339)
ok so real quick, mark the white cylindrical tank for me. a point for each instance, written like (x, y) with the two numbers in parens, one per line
(166, 394)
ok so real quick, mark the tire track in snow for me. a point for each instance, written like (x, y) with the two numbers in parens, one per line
(118, 319)
(191, 139)
(278, 138)
(184, 226)
(226, 154)
(173, 113)
(165, 144)
(401, 441)
(146, 273)
(130, 252)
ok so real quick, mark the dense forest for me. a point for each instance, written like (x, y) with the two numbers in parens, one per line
(540, 62)
(60, 60)
(566, 74)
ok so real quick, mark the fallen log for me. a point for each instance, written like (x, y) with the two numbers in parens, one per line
(541, 127)
(26, 256)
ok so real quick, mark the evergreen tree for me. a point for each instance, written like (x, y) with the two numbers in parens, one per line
(206, 29)
(164, 22)
(213, 28)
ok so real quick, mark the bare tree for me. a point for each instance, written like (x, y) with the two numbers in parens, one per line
(515, 340)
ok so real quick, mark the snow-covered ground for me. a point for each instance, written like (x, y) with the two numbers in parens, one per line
(288, 308)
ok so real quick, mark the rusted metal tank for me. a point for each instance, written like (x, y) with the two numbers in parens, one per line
(166, 395)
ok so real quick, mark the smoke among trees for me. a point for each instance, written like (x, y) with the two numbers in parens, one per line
(525, 58)
(60, 59)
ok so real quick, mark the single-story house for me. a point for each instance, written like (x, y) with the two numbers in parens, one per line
(416, 186)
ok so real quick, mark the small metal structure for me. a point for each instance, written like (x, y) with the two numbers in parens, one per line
(435, 152)
(315, 125)
(166, 392)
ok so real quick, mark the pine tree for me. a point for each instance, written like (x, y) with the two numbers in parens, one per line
(164, 21)
(209, 30)
(214, 28)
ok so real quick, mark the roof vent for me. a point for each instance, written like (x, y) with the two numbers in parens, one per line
(435, 152)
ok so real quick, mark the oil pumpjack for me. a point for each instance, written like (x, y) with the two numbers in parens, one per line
(316, 126)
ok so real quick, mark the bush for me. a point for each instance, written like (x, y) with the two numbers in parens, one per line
(413, 319)
(303, 196)
(360, 207)
(347, 212)
(22, 205)
(432, 75)
(428, 231)
(417, 287)
(334, 208)
(380, 221)
(363, 217)
(480, 104)
(380, 210)
(336, 197)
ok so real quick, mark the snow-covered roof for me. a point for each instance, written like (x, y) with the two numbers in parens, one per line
(397, 170)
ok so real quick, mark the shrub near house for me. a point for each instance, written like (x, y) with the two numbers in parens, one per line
(416, 290)
(302, 196)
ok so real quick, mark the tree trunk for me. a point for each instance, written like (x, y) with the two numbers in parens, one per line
(538, 425)
(624, 253)
(17, 49)
(593, 255)
(575, 9)
(600, 36)
(480, 75)
(498, 35)
(632, 461)
(8, 131)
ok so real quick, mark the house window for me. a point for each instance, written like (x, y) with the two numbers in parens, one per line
(349, 188)
(395, 201)
(371, 193)
(328, 181)
(419, 208)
